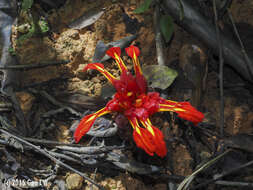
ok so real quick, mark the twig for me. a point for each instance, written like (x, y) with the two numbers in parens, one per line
(61, 110)
(101, 132)
(234, 183)
(34, 66)
(91, 149)
(45, 153)
(85, 159)
(123, 162)
(221, 63)
(44, 141)
(45, 83)
(3, 142)
(158, 37)
(60, 155)
(45, 173)
(21, 124)
(48, 97)
(177, 179)
(4, 122)
(95, 173)
(55, 102)
(5, 109)
(248, 63)
(5, 105)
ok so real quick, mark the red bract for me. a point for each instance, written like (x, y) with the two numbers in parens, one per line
(136, 104)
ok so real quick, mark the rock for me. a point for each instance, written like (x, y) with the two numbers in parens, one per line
(67, 47)
(79, 86)
(95, 79)
(55, 187)
(74, 35)
(97, 89)
(134, 184)
(74, 182)
(120, 185)
(108, 184)
(24, 28)
(62, 134)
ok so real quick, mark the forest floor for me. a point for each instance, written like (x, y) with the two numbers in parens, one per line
(187, 146)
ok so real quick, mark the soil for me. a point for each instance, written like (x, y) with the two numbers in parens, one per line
(77, 46)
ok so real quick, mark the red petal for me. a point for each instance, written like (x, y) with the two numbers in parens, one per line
(161, 149)
(115, 52)
(142, 137)
(131, 50)
(93, 66)
(157, 138)
(100, 67)
(140, 142)
(191, 114)
(84, 126)
(111, 52)
(184, 110)
(87, 122)
(134, 52)
(149, 138)
(144, 141)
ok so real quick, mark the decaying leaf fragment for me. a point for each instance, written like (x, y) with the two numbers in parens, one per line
(159, 76)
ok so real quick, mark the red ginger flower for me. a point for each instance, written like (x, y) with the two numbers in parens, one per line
(136, 104)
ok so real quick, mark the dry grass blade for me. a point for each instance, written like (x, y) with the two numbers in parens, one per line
(187, 181)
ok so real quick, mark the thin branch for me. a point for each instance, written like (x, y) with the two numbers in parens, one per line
(49, 142)
(21, 126)
(55, 102)
(44, 83)
(234, 183)
(45, 153)
(5, 105)
(91, 149)
(248, 63)
(221, 63)
(34, 66)
(63, 156)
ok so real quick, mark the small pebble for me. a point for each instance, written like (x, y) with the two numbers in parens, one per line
(74, 182)
(95, 79)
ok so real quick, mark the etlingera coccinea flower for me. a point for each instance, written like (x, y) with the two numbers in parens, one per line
(133, 100)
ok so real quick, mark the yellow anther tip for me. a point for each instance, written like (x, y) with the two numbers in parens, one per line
(129, 93)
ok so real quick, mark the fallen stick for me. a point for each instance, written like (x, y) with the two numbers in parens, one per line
(34, 66)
